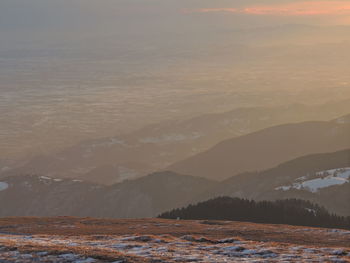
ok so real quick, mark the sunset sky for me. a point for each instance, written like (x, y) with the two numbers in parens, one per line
(23, 19)
(329, 12)
(309, 8)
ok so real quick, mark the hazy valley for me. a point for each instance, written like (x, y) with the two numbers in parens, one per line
(137, 131)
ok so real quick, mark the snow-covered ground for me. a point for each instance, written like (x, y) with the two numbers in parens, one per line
(92, 240)
(166, 248)
(8, 256)
(319, 180)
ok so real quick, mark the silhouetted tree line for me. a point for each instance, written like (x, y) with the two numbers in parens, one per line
(290, 211)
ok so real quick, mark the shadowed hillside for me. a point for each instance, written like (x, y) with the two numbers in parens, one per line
(320, 178)
(267, 148)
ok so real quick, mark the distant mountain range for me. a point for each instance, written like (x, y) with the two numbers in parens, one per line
(157, 146)
(308, 160)
(144, 197)
(320, 178)
(267, 148)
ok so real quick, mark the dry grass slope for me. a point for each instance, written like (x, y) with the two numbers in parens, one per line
(86, 240)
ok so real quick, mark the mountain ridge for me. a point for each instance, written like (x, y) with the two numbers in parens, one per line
(156, 147)
(267, 148)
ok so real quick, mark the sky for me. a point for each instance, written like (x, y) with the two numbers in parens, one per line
(329, 12)
(30, 18)
(40, 21)
(16, 14)
(82, 51)
(297, 8)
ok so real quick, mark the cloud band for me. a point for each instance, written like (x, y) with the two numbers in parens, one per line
(310, 8)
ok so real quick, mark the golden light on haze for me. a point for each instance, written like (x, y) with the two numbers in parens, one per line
(343, 20)
(87, 61)
(335, 12)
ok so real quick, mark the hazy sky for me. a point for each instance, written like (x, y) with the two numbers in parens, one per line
(327, 12)
(80, 53)
(76, 14)
(290, 8)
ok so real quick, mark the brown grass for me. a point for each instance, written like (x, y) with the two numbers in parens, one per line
(70, 226)
(102, 254)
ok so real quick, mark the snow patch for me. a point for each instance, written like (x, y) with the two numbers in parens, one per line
(45, 178)
(320, 180)
(316, 184)
(58, 180)
(3, 186)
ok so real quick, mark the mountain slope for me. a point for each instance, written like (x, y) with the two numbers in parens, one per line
(267, 148)
(151, 195)
(43, 196)
(128, 156)
(321, 170)
(144, 197)
(147, 196)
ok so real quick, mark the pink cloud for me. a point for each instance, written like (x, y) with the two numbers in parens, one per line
(210, 10)
(310, 8)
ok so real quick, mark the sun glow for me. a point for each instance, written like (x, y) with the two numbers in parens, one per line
(310, 8)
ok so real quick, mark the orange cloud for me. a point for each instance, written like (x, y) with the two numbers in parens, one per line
(310, 8)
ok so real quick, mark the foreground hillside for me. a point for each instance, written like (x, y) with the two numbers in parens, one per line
(87, 240)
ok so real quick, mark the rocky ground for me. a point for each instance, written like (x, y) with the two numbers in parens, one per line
(85, 240)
